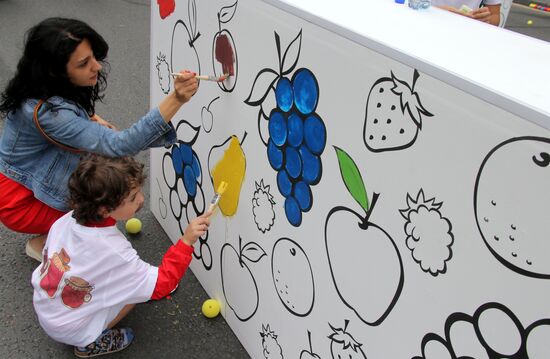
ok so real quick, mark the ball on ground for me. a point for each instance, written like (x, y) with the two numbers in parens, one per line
(133, 226)
(211, 308)
(529, 22)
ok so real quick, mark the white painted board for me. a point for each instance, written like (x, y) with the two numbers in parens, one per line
(453, 257)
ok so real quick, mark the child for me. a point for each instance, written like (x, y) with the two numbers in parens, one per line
(91, 277)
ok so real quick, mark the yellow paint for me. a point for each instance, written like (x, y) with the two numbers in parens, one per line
(231, 169)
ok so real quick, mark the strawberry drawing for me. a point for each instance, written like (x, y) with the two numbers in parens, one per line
(511, 199)
(429, 235)
(365, 264)
(393, 115)
(271, 348)
(343, 345)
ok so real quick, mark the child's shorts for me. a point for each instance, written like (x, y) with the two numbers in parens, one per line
(21, 212)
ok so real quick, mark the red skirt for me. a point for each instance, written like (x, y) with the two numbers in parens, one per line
(21, 212)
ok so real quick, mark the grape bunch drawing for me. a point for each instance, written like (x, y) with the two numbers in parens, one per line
(296, 134)
(182, 173)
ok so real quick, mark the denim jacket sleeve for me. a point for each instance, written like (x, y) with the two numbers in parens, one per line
(71, 126)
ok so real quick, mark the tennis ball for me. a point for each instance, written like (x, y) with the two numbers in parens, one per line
(133, 226)
(211, 308)
(529, 22)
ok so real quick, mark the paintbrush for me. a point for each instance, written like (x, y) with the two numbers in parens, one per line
(218, 195)
(205, 77)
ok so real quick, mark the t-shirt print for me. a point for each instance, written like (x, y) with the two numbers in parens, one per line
(75, 290)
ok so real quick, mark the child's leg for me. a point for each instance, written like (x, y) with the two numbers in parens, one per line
(123, 312)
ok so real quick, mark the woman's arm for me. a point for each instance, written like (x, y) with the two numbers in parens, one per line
(185, 87)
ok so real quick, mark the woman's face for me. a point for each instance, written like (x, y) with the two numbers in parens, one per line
(82, 67)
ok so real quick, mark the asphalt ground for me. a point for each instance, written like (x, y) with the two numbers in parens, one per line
(170, 328)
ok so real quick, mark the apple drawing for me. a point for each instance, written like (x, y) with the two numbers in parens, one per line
(293, 277)
(365, 263)
(305, 354)
(224, 52)
(511, 197)
(238, 283)
(183, 54)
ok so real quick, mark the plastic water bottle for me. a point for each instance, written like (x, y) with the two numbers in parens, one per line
(419, 4)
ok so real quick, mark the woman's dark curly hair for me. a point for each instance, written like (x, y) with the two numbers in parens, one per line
(102, 183)
(42, 70)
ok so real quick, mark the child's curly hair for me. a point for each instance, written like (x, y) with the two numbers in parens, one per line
(102, 183)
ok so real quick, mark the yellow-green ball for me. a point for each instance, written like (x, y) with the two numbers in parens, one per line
(133, 226)
(529, 22)
(211, 308)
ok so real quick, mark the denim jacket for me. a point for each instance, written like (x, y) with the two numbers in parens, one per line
(29, 159)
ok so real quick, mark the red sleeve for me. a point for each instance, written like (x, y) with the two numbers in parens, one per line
(171, 270)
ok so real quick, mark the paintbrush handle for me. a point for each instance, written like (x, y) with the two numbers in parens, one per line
(203, 77)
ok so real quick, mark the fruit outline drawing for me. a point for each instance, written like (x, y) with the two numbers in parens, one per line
(207, 117)
(393, 114)
(357, 261)
(429, 234)
(182, 173)
(262, 207)
(309, 354)
(236, 292)
(293, 277)
(224, 52)
(163, 73)
(271, 348)
(344, 345)
(512, 340)
(296, 133)
(182, 48)
(515, 174)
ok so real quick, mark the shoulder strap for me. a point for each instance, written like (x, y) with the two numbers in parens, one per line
(45, 135)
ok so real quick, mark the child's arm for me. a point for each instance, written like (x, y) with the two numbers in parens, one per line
(177, 258)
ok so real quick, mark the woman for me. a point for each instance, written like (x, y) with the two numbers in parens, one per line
(49, 106)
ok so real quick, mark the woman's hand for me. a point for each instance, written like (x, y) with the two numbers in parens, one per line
(102, 122)
(185, 86)
(196, 228)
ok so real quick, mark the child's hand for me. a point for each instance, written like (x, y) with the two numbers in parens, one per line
(196, 228)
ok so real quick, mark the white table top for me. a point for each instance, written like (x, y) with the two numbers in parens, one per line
(507, 69)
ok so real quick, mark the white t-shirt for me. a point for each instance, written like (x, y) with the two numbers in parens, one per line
(91, 273)
(472, 4)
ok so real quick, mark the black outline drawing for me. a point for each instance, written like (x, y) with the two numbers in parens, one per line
(264, 190)
(408, 101)
(161, 202)
(267, 81)
(353, 272)
(424, 251)
(285, 271)
(165, 80)
(252, 252)
(522, 352)
(192, 36)
(347, 341)
(304, 353)
(210, 116)
(513, 236)
(225, 15)
(269, 335)
(205, 253)
(221, 145)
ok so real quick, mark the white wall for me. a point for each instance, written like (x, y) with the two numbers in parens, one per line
(396, 285)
